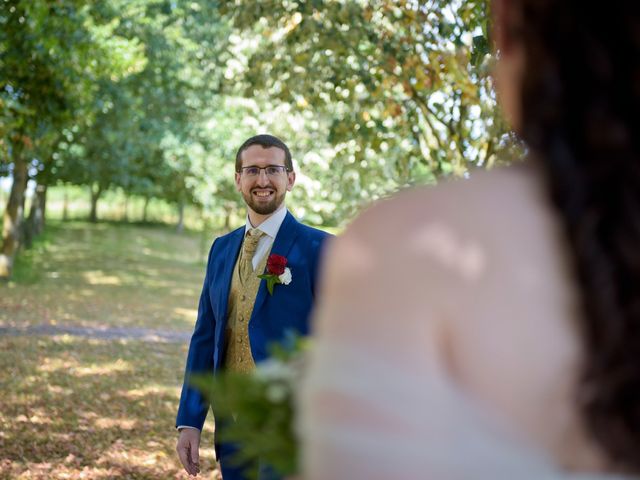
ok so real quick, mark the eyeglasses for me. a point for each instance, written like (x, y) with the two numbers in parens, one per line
(270, 170)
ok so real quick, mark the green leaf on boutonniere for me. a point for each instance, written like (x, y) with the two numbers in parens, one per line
(271, 279)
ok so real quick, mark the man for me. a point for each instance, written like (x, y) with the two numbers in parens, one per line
(238, 316)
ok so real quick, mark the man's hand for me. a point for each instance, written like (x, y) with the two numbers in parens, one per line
(188, 449)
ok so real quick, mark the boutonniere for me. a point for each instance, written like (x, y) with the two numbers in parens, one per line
(277, 272)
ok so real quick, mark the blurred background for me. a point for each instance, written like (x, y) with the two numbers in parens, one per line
(119, 122)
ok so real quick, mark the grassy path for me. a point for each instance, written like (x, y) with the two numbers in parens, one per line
(107, 333)
(92, 352)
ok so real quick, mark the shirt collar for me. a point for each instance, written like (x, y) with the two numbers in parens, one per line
(271, 225)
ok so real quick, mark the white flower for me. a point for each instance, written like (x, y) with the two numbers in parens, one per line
(274, 370)
(285, 278)
(277, 393)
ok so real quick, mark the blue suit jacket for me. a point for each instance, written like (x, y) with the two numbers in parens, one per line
(274, 316)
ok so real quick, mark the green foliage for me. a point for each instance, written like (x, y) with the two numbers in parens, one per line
(272, 281)
(154, 96)
(146, 126)
(50, 58)
(257, 410)
(401, 89)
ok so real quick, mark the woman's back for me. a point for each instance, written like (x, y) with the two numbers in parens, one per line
(460, 297)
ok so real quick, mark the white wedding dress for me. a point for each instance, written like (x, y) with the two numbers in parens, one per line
(365, 417)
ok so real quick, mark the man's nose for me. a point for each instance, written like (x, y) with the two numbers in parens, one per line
(263, 178)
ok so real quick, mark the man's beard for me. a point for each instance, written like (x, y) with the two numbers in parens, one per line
(264, 208)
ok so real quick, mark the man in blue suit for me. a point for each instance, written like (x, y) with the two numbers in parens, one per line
(238, 317)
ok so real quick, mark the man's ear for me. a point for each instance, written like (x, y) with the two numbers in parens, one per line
(291, 179)
(238, 182)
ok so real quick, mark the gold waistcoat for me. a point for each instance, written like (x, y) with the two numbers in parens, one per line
(242, 296)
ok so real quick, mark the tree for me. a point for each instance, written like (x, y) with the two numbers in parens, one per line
(403, 86)
(146, 131)
(50, 54)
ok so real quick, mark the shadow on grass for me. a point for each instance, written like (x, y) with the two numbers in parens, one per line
(26, 270)
(73, 407)
(78, 408)
(107, 274)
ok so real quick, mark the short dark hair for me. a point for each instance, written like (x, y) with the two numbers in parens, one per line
(265, 141)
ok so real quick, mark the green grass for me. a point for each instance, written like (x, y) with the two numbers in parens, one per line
(74, 407)
(107, 275)
(25, 269)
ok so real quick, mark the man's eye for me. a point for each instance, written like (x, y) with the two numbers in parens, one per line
(273, 170)
(252, 171)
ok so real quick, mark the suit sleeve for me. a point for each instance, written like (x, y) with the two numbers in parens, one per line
(193, 407)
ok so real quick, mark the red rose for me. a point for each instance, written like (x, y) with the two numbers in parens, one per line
(276, 264)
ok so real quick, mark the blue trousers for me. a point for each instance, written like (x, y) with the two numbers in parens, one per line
(231, 470)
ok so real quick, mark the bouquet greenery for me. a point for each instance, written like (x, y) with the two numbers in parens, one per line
(256, 410)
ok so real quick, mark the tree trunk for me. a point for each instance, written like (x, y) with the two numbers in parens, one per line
(65, 206)
(144, 209)
(29, 226)
(227, 219)
(126, 208)
(180, 226)
(96, 190)
(23, 220)
(35, 222)
(13, 215)
(27, 233)
(41, 192)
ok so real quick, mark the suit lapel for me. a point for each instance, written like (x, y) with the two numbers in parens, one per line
(281, 246)
(229, 258)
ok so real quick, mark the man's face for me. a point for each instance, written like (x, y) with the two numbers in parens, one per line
(264, 193)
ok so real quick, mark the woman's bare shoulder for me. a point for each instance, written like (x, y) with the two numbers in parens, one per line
(437, 240)
(488, 208)
(478, 195)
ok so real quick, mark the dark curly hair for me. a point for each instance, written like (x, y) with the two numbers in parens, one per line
(580, 98)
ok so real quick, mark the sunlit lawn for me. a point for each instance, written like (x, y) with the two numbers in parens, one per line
(73, 407)
(107, 275)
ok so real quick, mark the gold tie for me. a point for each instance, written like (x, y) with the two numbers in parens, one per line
(249, 247)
